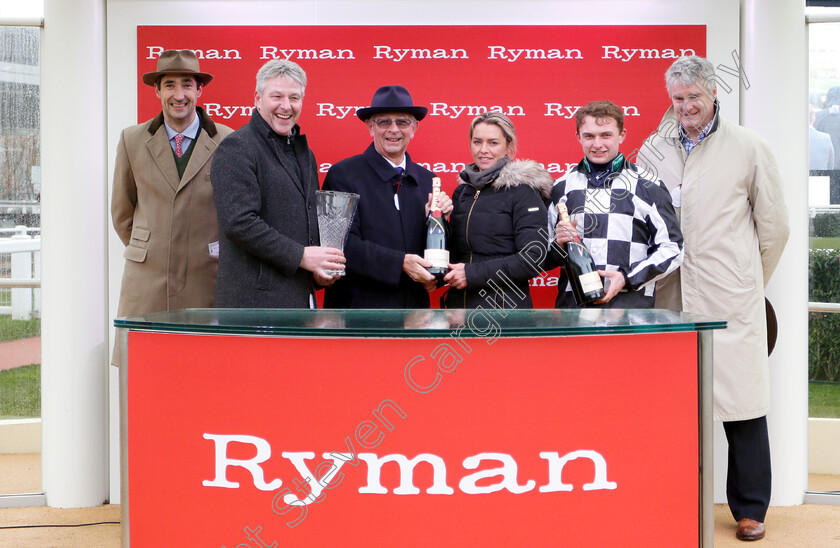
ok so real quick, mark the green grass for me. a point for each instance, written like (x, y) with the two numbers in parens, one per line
(12, 330)
(824, 399)
(825, 243)
(20, 392)
(20, 388)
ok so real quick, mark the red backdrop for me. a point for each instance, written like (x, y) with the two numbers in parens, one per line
(538, 75)
(634, 403)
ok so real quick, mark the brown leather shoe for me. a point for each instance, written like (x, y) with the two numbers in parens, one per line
(749, 529)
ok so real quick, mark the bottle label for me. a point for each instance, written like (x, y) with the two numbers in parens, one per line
(438, 257)
(562, 211)
(590, 282)
(435, 193)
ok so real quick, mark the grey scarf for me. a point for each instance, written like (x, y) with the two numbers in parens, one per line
(480, 179)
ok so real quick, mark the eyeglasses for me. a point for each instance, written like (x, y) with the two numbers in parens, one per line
(385, 123)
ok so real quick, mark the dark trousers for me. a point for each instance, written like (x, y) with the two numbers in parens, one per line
(748, 478)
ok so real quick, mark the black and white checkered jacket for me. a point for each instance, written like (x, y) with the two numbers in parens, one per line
(628, 224)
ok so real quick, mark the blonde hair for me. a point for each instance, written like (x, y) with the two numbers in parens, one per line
(503, 123)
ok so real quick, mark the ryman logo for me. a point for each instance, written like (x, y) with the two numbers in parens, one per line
(327, 474)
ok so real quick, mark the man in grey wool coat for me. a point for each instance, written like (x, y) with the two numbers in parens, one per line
(264, 180)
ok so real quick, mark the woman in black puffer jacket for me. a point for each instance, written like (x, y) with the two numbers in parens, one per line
(498, 223)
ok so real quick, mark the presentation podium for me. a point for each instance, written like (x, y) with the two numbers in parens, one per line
(246, 428)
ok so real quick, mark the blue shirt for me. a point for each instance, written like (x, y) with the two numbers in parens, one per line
(189, 134)
(687, 143)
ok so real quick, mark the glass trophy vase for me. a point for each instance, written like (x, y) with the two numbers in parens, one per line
(335, 214)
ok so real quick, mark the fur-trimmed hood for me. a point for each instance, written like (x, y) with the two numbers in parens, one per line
(525, 172)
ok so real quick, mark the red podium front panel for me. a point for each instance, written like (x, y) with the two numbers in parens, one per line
(240, 441)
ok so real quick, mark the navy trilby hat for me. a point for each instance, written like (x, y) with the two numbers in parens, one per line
(391, 99)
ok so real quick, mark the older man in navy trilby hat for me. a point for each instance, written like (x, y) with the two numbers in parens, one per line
(392, 99)
(385, 267)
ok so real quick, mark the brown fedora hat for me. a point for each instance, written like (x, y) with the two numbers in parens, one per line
(177, 61)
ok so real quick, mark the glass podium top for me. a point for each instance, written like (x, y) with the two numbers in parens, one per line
(423, 323)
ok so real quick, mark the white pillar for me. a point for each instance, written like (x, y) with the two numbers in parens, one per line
(74, 320)
(774, 58)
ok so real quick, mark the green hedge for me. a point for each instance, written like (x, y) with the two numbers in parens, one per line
(824, 328)
(825, 225)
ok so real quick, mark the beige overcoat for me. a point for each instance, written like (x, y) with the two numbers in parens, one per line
(735, 224)
(166, 223)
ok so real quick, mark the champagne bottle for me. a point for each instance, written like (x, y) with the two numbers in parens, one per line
(580, 268)
(436, 251)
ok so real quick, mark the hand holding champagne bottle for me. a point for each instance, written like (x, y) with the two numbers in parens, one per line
(584, 277)
(436, 236)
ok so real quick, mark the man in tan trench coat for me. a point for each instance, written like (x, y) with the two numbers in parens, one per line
(727, 189)
(162, 203)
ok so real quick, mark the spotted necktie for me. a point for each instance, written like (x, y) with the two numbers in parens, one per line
(178, 140)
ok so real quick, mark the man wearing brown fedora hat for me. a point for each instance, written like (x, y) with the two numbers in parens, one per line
(385, 266)
(162, 202)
